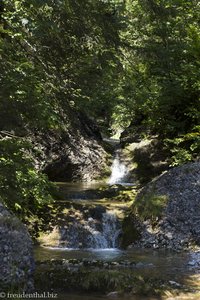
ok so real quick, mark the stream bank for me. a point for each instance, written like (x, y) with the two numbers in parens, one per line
(137, 273)
(128, 274)
(83, 249)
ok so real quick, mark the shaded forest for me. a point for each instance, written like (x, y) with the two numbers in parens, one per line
(120, 63)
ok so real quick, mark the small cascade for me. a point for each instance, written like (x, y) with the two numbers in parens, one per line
(108, 237)
(93, 233)
(118, 170)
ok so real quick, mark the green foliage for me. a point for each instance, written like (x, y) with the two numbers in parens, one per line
(56, 58)
(118, 61)
(160, 57)
(185, 148)
(113, 59)
(24, 191)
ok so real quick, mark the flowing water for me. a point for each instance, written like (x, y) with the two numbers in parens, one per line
(99, 229)
(177, 268)
(107, 238)
(118, 170)
(94, 235)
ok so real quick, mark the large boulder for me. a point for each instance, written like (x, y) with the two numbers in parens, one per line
(16, 256)
(168, 209)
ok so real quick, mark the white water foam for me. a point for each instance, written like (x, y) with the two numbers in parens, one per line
(93, 233)
(108, 237)
(118, 171)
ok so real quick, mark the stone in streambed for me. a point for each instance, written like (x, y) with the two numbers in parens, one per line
(113, 295)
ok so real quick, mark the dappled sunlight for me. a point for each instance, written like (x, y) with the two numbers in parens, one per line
(100, 147)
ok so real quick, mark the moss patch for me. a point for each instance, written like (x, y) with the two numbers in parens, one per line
(150, 206)
(126, 195)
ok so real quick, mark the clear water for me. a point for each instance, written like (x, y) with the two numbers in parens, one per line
(175, 267)
(163, 264)
(90, 233)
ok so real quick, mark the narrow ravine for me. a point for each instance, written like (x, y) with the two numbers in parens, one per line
(104, 91)
(86, 240)
(92, 216)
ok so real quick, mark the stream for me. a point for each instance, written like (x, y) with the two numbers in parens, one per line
(95, 236)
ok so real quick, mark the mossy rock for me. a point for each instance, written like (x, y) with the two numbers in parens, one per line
(150, 206)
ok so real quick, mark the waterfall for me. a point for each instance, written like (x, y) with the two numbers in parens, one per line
(118, 170)
(108, 237)
(94, 234)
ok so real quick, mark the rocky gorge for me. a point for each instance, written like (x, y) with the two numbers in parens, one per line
(161, 216)
(75, 153)
(100, 149)
(117, 219)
